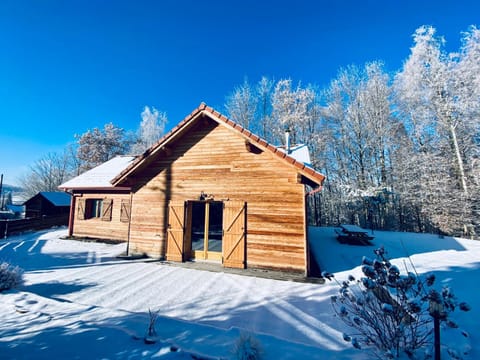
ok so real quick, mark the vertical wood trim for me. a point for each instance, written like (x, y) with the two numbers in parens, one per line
(175, 230)
(129, 223)
(206, 230)
(234, 234)
(81, 209)
(187, 251)
(71, 216)
(305, 234)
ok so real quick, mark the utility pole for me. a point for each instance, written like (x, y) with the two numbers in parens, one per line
(1, 192)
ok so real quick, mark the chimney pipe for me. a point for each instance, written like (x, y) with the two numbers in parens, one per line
(287, 140)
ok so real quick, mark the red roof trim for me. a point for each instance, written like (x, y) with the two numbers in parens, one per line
(263, 142)
(271, 147)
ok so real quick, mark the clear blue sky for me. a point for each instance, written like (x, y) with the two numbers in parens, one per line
(67, 66)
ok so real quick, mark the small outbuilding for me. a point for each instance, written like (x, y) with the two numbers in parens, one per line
(208, 190)
(48, 203)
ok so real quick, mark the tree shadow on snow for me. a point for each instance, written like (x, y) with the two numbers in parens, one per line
(54, 290)
(77, 339)
(304, 314)
(121, 337)
(39, 336)
(27, 251)
(329, 255)
(293, 321)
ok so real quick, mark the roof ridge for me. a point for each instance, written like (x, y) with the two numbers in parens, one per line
(262, 143)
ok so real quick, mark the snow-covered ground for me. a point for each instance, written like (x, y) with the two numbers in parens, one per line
(80, 302)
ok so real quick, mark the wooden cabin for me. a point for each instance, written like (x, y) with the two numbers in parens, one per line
(208, 190)
(47, 203)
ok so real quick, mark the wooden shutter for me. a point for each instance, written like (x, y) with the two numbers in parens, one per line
(81, 209)
(234, 234)
(125, 211)
(175, 230)
(107, 205)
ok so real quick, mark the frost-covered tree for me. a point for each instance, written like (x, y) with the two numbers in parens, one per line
(404, 157)
(467, 73)
(47, 173)
(292, 109)
(263, 120)
(359, 116)
(426, 86)
(361, 134)
(437, 98)
(241, 105)
(96, 146)
(250, 105)
(150, 130)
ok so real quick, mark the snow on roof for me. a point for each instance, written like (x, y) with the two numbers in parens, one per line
(100, 176)
(57, 198)
(299, 153)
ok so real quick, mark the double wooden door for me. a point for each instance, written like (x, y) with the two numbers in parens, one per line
(207, 230)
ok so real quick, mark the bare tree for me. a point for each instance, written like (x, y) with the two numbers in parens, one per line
(47, 173)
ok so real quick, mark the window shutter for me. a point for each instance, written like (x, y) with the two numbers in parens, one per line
(81, 209)
(125, 211)
(107, 205)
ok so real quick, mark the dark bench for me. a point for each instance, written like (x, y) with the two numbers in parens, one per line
(353, 235)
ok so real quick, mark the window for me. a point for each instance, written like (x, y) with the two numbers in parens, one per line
(93, 208)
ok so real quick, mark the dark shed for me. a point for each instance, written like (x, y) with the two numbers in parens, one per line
(48, 203)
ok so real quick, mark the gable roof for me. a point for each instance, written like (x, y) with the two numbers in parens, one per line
(56, 198)
(301, 167)
(99, 177)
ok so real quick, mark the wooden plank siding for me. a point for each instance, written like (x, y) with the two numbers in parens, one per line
(214, 159)
(104, 227)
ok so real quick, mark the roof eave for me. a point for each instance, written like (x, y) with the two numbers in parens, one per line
(95, 188)
(162, 143)
(262, 144)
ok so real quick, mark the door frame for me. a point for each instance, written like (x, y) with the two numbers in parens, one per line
(204, 254)
(234, 233)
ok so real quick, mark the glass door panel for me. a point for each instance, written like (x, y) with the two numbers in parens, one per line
(198, 226)
(215, 227)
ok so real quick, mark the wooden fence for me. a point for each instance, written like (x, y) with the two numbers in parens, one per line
(15, 226)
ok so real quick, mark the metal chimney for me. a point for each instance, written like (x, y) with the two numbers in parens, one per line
(287, 140)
